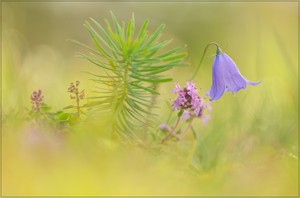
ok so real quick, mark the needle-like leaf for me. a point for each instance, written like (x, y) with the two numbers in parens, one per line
(132, 67)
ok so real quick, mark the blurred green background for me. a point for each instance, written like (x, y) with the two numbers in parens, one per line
(252, 138)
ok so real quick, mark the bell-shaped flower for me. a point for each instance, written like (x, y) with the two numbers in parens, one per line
(226, 77)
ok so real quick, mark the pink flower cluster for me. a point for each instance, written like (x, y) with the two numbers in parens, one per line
(37, 100)
(189, 101)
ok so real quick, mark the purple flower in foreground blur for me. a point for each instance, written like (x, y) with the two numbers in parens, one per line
(226, 77)
(189, 101)
(164, 127)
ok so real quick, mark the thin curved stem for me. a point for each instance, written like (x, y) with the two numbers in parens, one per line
(77, 104)
(171, 132)
(187, 128)
(202, 58)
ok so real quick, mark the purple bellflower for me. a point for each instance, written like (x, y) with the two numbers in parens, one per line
(226, 76)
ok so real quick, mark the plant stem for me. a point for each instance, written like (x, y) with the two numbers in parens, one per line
(171, 132)
(149, 109)
(77, 104)
(202, 58)
(188, 126)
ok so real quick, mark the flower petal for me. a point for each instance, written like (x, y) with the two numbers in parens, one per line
(234, 80)
(186, 115)
(177, 88)
(164, 127)
(218, 85)
(252, 83)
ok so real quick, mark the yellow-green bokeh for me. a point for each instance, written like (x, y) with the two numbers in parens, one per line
(256, 127)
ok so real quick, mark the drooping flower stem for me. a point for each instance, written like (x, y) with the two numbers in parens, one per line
(202, 58)
(171, 133)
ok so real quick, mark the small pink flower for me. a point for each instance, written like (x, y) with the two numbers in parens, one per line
(37, 100)
(205, 119)
(185, 115)
(177, 88)
(189, 101)
(164, 127)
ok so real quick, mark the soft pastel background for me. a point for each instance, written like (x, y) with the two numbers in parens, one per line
(252, 138)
